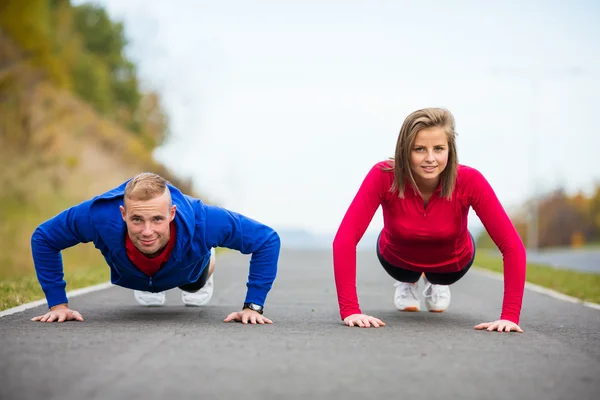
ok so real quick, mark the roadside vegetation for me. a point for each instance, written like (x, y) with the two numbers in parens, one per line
(582, 285)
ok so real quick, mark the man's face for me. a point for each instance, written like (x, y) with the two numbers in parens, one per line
(148, 223)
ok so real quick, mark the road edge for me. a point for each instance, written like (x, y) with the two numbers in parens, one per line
(78, 292)
(540, 289)
(528, 285)
(73, 293)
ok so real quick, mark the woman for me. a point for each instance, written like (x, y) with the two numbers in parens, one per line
(425, 196)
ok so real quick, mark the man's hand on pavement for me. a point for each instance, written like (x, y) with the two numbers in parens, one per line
(59, 313)
(248, 316)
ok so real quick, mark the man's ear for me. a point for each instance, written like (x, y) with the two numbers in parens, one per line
(173, 210)
(123, 213)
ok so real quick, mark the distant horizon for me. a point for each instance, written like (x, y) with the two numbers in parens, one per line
(278, 110)
(303, 236)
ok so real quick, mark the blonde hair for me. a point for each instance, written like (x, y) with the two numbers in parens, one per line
(400, 163)
(146, 186)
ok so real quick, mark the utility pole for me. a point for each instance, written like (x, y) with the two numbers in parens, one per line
(534, 77)
(533, 231)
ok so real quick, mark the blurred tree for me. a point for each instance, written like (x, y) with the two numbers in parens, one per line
(595, 214)
(154, 122)
(29, 24)
(563, 220)
(82, 49)
(582, 206)
(92, 82)
(105, 39)
(559, 220)
(67, 43)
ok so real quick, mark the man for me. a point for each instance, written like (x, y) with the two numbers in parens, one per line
(155, 238)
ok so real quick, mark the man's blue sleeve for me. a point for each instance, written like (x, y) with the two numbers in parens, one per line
(66, 229)
(226, 228)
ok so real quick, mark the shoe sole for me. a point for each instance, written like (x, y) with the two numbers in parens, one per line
(195, 305)
(409, 309)
(201, 304)
(437, 310)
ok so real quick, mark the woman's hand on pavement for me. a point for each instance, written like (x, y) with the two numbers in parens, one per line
(363, 321)
(501, 325)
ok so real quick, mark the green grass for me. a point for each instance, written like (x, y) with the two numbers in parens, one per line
(587, 246)
(582, 285)
(84, 266)
(18, 290)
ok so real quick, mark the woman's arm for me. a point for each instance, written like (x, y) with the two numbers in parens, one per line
(502, 231)
(352, 228)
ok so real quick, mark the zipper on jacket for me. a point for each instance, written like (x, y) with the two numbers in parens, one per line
(150, 282)
(428, 205)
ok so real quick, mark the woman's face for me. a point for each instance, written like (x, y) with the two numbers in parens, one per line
(429, 156)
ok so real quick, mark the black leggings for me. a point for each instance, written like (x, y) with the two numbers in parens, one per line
(199, 284)
(405, 275)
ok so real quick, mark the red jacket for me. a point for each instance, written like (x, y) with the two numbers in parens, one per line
(428, 239)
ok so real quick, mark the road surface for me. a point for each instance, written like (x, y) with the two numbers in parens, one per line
(125, 351)
(586, 260)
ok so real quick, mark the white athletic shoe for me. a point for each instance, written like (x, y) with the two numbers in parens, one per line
(437, 297)
(149, 299)
(405, 297)
(201, 297)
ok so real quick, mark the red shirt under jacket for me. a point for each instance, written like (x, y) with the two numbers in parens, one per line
(150, 266)
(429, 239)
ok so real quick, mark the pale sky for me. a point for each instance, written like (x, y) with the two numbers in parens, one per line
(278, 109)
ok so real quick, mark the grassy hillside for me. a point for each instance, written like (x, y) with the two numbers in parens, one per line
(56, 151)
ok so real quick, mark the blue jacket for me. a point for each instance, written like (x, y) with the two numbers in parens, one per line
(200, 227)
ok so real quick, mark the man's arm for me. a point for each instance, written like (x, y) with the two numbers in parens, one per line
(228, 229)
(66, 229)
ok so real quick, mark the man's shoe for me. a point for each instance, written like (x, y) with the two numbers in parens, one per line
(437, 297)
(405, 297)
(201, 297)
(149, 299)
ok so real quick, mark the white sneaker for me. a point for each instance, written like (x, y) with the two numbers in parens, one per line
(201, 297)
(149, 299)
(437, 297)
(405, 297)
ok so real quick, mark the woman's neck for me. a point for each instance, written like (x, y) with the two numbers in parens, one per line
(427, 186)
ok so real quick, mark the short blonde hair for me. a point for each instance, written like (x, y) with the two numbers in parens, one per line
(146, 186)
(415, 122)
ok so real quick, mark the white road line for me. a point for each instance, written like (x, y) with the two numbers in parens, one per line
(73, 293)
(79, 292)
(540, 289)
(592, 305)
(482, 271)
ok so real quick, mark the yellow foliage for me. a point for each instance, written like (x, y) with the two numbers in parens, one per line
(57, 151)
(577, 240)
(29, 24)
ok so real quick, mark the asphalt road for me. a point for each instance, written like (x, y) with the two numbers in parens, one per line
(125, 351)
(586, 260)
